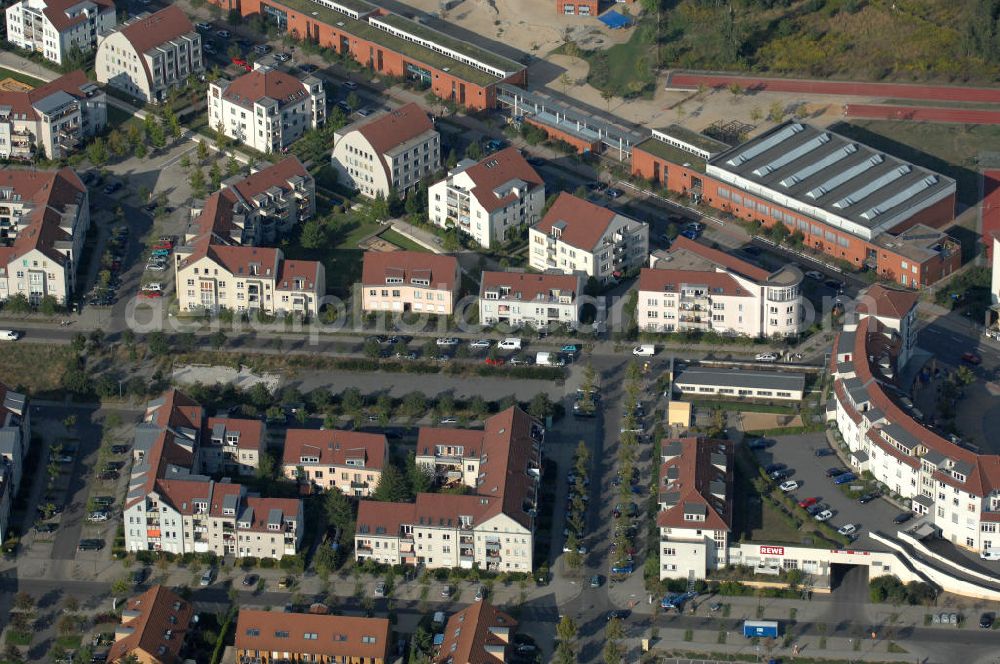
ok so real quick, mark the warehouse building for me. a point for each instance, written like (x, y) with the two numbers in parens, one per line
(741, 384)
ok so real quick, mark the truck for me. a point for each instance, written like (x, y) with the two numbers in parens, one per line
(760, 628)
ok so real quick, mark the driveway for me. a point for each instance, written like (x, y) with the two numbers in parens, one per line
(798, 452)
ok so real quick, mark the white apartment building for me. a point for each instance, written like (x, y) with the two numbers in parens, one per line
(488, 200)
(695, 287)
(44, 217)
(15, 436)
(390, 152)
(492, 527)
(148, 55)
(170, 507)
(55, 28)
(266, 109)
(404, 281)
(350, 461)
(52, 120)
(232, 446)
(952, 487)
(577, 236)
(523, 298)
(695, 495)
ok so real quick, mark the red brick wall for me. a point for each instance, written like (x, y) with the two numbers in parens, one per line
(890, 266)
(580, 144)
(381, 59)
(935, 216)
(652, 168)
(577, 4)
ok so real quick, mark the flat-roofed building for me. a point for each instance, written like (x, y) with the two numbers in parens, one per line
(488, 200)
(270, 637)
(712, 382)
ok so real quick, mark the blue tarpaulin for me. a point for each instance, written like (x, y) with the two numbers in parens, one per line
(614, 20)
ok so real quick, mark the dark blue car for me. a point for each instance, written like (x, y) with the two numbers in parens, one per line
(845, 478)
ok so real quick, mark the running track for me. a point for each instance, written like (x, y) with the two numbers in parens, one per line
(991, 207)
(691, 81)
(921, 114)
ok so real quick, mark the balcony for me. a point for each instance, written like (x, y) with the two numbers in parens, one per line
(367, 550)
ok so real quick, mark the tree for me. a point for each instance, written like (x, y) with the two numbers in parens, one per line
(582, 456)
(376, 209)
(776, 112)
(24, 602)
(71, 604)
(478, 407)
(197, 182)
(566, 632)
(12, 654)
(392, 487)
(474, 151)
(266, 466)
(48, 306)
(414, 404)
(372, 348)
(97, 152)
(18, 304)
(121, 586)
(338, 509)
(351, 400)
(218, 339)
(607, 95)
(203, 146)
(232, 166)
(574, 559)
(565, 81)
(353, 101)
(965, 376)
(215, 175)
(313, 234)
(756, 114)
(67, 624)
(452, 160)
(157, 342)
(186, 162)
(613, 652)
(541, 406)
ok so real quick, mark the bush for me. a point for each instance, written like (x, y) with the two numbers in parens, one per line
(249, 562)
(292, 563)
(267, 563)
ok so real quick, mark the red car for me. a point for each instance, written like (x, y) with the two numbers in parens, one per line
(240, 62)
(495, 361)
(808, 502)
(151, 293)
(164, 245)
(971, 358)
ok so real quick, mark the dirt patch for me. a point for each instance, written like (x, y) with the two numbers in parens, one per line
(758, 421)
(376, 243)
(37, 368)
(11, 85)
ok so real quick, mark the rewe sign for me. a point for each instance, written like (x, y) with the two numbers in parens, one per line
(772, 550)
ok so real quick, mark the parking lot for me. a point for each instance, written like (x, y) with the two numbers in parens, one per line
(799, 454)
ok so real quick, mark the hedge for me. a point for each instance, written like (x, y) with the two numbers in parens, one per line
(220, 642)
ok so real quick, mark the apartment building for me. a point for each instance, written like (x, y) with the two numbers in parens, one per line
(478, 633)
(405, 281)
(52, 120)
(58, 29)
(15, 436)
(154, 627)
(833, 194)
(577, 236)
(492, 526)
(955, 489)
(695, 495)
(537, 300)
(350, 461)
(266, 109)
(218, 267)
(44, 217)
(232, 446)
(170, 506)
(696, 288)
(489, 200)
(271, 637)
(150, 54)
(391, 152)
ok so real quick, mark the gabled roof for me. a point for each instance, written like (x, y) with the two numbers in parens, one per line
(334, 447)
(383, 519)
(494, 176)
(274, 175)
(691, 482)
(670, 281)
(245, 261)
(439, 269)
(390, 130)
(262, 84)
(50, 195)
(156, 623)
(581, 223)
(336, 637)
(251, 432)
(306, 273)
(478, 634)
(146, 32)
(56, 11)
(27, 102)
(530, 287)
(720, 258)
(885, 302)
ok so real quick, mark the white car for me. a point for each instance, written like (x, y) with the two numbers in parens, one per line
(825, 515)
(766, 357)
(446, 341)
(788, 485)
(203, 26)
(156, 267)
(282, 57)
(9, 335)
(481, 343)
(154, 286)
(646, 350)
(813, 274)
(695, 226)
(848, 529)
(97, 517)
(206, 577)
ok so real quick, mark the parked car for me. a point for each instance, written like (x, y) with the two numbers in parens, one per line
(446, 592)
(46, 528)
(350, 85)
(203, 26)
(824, 451)
(845, 478)
(207, 577)
(867, 498)
(570, 348)
(835, 472)
(971, 358)
(847, 529)
(98, 517)
(766, 357)
(481, 343)
(903, 517)
(814, 274)
(789, 485)
(308, 68)
(808, 502)
(780, 475)
(112, 187)
(614, 193)
(104, 501)
(813, 510)
(595, 581)
(986, 620)
(250, 580)
(446, 341)
(480, 593)
(223, 34)
(646, 350)
(760, 443)
(380, 589)
(691, 235)
(90, 545)
(775, 467)
(282, 57)
(139, 576)
(109, 475)
(825, 515)
(262, 49)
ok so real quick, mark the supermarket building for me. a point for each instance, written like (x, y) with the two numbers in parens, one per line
(393, 45)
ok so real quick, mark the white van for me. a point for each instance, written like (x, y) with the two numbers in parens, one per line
(9, 335)
(510, 343)
(646, 350)
(990, 554)
(543, 359)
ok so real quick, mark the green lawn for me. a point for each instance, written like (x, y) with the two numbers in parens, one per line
(624, 69)
(401, 241)
(34, 82)
(341, 255)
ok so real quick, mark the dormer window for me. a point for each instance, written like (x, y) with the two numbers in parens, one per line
(420, 282)
(228, 511)
(274, 526)
(308, 459)
(393, 280)
(242, 524)
(232, 437)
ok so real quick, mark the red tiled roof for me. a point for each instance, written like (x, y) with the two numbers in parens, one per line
(336, 637)
(396, 127)
(275, 175)
(23, 102)
(149, 32)
(50, 192)
(378, 518)
(720, 258)
(175, 409)
(584, 223)
(238, 260)
(334, 447)
(289, 507)
(886, 302)
(497, 170)
(528, 286)
(694, 472)
(470, 632)
(265, 83)
(159, 610)
(841, 392)
(307, 272)
(55, 11)
(471, 440)
(439, 269)
(251, 431)
(670, 281)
